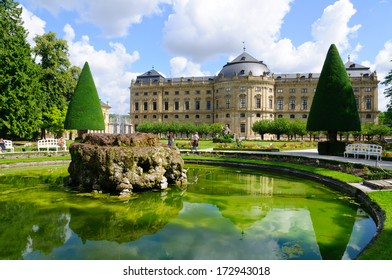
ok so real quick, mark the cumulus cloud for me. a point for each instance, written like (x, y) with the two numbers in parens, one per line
(331, 28)
(109, 68)
(202, 29)
(383, 64)
(113, 17)
(181, 66)
(200, 33)
(33, 24)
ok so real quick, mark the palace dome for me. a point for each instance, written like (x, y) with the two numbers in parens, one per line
(243, 65)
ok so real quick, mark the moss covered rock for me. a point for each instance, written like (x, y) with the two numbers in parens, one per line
(124, 163)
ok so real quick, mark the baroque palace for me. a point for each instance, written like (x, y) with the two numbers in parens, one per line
(244, 91)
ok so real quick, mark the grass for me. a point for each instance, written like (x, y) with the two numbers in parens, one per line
(33, 159)
(381, 249)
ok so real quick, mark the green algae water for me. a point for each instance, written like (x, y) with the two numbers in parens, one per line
(223, 213)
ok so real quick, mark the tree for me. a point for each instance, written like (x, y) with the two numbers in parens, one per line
(333, 107)
(280, 126)
(20, 93)
(388, 90)
(57, 78)
(262, 127)
(84, 110)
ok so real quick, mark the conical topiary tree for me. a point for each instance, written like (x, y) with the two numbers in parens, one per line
(333, 108)
(84, 110)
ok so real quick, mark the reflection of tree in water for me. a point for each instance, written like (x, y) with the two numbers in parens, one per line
(144, 215)
(24, 226)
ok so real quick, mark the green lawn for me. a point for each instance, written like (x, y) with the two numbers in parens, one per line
(381, 249)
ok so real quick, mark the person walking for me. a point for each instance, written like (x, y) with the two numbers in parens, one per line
(195, 141)
(2, 145)
(170, 140)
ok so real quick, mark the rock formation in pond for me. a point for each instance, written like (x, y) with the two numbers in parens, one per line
(124, 163)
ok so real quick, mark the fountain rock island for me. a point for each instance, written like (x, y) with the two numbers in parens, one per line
(124, 163)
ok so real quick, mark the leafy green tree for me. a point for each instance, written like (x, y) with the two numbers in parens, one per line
(57, 78)
(333, 107)
(388, 90)
(298, 128)
(262, 127)
(20, 94)
(280, 126)
(84, 111)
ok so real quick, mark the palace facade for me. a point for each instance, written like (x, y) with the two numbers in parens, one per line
(244, 91)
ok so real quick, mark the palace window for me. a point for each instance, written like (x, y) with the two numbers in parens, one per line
(258, 115)
(176, 116)
(242, 89)
(227, 115)
(208, 105)
(304, 104)
(258, 102)
(166, 93)
(197, 91)
(187, 92)
(176, 93)
(368, 103)
(216, 104)
(242, 128)
(154, 93)
(197, 105)
(304, 90)
(242, 102)
(292, 90)
(136, 106)
(197, 116)
(270, 103)
(145, 106)
(146, 93)
(186, 105)
(154, 105)
(187, 116)
(228, 103)
(292, 104)
(292, 116)
(280, 104)
(242, 115)
(368, 89)
(176, 105)
(304, 116)
(258, 89)
(228, 89)
(357, 102)
(166, 105)
(280, 90)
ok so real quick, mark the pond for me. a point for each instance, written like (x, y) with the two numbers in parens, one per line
(224, 213)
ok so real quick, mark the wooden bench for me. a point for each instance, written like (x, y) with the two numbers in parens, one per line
(366, 150)
(48, 144)
(8, 145)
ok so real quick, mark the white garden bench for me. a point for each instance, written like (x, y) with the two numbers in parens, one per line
(48, 144)
(366, 150)
(8, 145)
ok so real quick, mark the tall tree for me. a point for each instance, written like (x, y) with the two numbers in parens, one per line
(388, 90)
(333, 108)
(388, 93)
(57, 78)
(84, 111)
(20, 114)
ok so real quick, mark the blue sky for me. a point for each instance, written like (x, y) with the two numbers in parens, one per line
(124, 38)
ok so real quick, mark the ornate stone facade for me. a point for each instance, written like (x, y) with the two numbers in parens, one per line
(245, 91)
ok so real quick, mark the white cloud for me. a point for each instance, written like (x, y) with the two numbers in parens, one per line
(109, 69)
(33, 24)
(331, 28)
(383, 64)
(113, 17)
(202, 29)
(182, 67)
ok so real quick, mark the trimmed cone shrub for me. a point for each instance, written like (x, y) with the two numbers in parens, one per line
(333, 108)
(84, 111)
